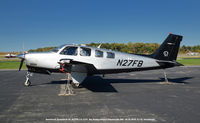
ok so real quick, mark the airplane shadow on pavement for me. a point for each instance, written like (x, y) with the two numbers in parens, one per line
(99, 84)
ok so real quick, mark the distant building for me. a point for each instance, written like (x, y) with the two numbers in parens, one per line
(192, 53)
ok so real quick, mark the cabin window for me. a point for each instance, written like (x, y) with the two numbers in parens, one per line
(85, 51)
(110, 55)
(69, 51)
(98, 53)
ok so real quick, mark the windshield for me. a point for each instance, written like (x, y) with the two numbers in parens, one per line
(57, 49)
(70, 50)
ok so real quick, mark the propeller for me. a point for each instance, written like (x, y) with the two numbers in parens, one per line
(21, 63)
(22, 57)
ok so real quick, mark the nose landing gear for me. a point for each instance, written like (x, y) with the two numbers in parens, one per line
(27, 82)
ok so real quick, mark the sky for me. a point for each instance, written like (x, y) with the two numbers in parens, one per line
(44, 23)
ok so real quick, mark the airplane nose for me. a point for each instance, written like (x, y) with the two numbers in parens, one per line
(21, 56)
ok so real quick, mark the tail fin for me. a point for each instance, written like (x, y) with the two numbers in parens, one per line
(168, 50)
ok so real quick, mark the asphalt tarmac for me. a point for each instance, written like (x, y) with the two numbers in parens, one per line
(126, 97)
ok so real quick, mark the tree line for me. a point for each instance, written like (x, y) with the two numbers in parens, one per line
(45, 49)
(136, 48)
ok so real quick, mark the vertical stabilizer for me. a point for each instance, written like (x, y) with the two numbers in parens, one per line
(168, 50)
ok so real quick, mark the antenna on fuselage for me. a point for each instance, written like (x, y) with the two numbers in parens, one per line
(99, 45)
(23, 47)
(82, 44)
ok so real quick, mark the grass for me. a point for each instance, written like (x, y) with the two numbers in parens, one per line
(190, 57)
(189, 61)
(9, 60)
(11, 65)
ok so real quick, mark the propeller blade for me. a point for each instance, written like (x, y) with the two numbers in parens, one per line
(21, 63)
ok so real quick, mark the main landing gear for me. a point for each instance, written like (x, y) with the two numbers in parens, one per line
(76, 73)
(77, 79)
(27, 82)
(70, 81)
(76, 85)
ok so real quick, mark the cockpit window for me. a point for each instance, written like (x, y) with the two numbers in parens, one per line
(110, 55)
(98, 53)
(57, 49)
(69, 51)
(85, 51)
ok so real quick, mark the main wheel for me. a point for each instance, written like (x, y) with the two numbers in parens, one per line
(27, 83)
(76, 85)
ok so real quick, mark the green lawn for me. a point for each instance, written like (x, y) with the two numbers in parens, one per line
(189, 61)
(11, 65)
(8, 60)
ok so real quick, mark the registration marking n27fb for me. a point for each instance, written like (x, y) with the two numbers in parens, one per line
(133, 63)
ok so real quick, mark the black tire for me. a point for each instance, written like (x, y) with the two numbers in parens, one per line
(75, 86)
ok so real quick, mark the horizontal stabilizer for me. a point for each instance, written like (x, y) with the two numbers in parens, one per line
(168, 64)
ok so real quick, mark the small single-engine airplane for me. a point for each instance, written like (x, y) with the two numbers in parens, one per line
(83, 61)
(10, 56)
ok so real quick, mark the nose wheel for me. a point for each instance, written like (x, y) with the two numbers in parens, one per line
(27, 82)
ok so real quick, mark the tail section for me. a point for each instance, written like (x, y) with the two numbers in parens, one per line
(168, 50)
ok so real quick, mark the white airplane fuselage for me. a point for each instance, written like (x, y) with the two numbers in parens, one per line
(121, 60)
